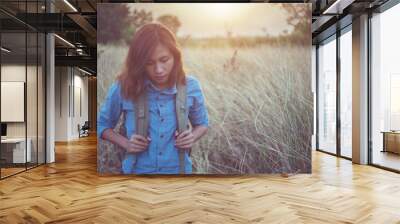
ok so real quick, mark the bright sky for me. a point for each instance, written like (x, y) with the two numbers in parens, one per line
(211, 19)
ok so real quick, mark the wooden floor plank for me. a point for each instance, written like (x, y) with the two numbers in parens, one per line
(70, 191)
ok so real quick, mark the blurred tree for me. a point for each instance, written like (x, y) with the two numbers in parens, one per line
(137, 19)
(112, 21)
(299, 17)
(141, 17)
(170, 21)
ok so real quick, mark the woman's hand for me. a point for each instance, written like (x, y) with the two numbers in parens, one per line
(137, 143)
(184, 140)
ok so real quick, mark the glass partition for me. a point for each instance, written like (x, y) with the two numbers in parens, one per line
(22, 88)
(346, 93)
(41, 85)
(385, 89)
(13, 94)
(327, 96)
(31, 98)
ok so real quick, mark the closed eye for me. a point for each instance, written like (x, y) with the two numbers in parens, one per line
(164, 59)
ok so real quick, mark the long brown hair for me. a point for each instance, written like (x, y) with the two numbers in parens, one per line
(141, 47)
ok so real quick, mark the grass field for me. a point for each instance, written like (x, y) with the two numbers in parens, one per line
(259, 102)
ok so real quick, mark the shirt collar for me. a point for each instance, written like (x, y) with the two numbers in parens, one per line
(149, 84)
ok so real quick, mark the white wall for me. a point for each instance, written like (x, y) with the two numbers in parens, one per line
(16, 73)
(70, 83)
(81, 100)
(61, 103)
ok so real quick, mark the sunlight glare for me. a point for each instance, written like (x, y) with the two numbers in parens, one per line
(223, 10)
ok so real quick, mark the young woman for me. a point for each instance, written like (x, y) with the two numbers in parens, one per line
(153, 66)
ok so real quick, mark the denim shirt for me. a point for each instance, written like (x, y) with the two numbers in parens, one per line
(161, 156)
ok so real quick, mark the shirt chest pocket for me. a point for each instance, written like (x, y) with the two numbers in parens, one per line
(162, 110)
(165, 110)
(130, 119)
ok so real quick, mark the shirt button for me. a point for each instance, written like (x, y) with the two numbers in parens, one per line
(161, 105)
(160, 153)
(162, 119)
(161, 136)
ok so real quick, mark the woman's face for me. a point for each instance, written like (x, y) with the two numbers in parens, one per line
(160, 65)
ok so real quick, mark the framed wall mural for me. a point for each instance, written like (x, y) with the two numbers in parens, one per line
(204, 88)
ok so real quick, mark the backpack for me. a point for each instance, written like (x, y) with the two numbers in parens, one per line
(111, 157)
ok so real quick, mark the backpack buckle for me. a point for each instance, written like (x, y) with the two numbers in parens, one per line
(141, 113)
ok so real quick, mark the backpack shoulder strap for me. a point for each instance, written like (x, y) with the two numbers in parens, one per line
(181, 111)
(181, 108)
(142, 125)
(142, 115)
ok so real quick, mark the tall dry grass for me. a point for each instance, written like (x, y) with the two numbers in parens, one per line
(259, 102)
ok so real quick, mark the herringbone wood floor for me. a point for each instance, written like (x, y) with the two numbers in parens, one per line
(70, 191)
